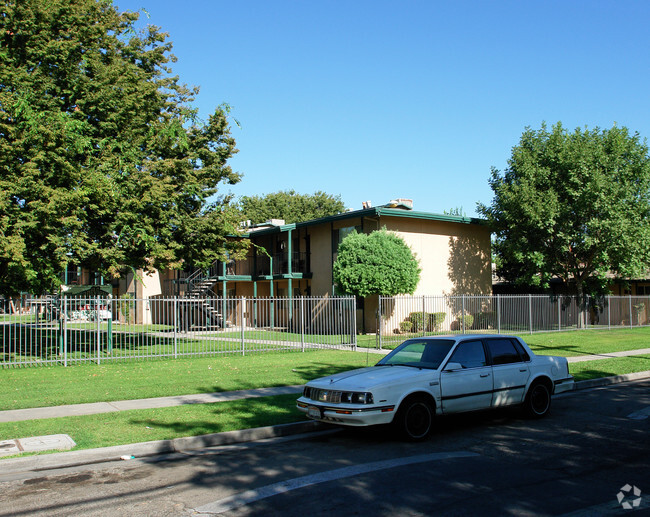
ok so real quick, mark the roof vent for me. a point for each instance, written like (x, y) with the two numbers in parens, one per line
(366, 204)
(406, 204)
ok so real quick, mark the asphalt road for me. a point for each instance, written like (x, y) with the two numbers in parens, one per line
(593, 446)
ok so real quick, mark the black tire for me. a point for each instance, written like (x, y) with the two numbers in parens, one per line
(414, 419)
(538, 400)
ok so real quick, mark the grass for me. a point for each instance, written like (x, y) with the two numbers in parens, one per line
(35, 387)
(44, 344)
(570, 343)
(39, 387)
(586, 342)
(104, 430)
(608, 367)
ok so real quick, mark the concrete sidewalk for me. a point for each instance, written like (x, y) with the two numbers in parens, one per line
(609, 355)
(17, 415)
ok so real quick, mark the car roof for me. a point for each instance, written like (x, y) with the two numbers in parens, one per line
(458, 337)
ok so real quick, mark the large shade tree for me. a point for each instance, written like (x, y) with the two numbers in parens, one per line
(573, 206)
(376, 263)
(103, 160)
(290, 206)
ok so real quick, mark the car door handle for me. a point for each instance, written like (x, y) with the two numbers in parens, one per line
(485, 375)
(523, 369)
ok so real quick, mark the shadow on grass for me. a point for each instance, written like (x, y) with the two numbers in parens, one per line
(233, 415)
(302, 374)
(597, 373)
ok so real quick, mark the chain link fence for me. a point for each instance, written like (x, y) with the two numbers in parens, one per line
(400, 317)
(69, 330)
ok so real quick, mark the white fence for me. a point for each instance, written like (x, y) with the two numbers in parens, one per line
(404, 316)
(70, 330)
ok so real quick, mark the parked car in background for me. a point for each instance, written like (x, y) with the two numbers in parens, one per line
(429, 376)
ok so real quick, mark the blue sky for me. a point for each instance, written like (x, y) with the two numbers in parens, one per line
(375, 100)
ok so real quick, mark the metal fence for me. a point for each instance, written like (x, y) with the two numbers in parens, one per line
(70, 330)
(67, 330)
(405, 316)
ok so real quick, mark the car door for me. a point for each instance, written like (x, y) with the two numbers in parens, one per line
(469, 387)
(510, 372)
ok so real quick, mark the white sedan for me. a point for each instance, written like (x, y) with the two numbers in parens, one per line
(429, 376)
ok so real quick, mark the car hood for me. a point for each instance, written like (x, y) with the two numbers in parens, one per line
(367, 378)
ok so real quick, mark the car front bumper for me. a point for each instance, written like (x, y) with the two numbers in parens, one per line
(346, 414)
(563, 385)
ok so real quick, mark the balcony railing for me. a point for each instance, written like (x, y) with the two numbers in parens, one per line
(261, 265)
(281, 264)
(250, 266)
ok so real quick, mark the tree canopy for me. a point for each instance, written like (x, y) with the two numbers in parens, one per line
(290, 206)
(574, 206)
(376, 263)
(103, 160)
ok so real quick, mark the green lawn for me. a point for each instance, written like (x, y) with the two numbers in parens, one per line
(37, 387)
(49, 386)
(585, 342)
(569, 343)
(89, 341)
(103, 430)
(608, 367)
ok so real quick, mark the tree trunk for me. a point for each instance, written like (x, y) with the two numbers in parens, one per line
(582, 307)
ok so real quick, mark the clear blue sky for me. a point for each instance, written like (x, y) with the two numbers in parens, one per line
(375, 100)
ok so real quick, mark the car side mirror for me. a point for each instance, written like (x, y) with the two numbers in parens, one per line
(452, 367)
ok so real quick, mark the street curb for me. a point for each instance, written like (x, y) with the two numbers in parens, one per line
(607, 381)
(145, 449)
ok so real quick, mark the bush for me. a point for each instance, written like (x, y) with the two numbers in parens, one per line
(458, 324)
(436, 319)
(405, 326)
(426, 321)
(418, 320)
(485, 320)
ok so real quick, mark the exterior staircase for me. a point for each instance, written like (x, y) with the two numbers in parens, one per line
(200, 302)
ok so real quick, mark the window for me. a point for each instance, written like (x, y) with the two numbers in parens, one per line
(419, 353)
(522, 351)
(643, 290)
(469, 354)
(503, 351)
(344, 232)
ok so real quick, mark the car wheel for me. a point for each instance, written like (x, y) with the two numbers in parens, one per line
(415, 418)
(538, 400)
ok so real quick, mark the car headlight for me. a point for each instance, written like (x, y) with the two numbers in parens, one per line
(357, 398)
(337, 397)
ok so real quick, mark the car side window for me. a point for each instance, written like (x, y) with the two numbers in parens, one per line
(503, 351)
(470, 354)
(522, 351)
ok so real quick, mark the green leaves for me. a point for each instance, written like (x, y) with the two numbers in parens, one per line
(103, 162)
(290, 206)
(375, 263)
(573, 206)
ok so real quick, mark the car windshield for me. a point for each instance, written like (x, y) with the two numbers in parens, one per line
(419, 353)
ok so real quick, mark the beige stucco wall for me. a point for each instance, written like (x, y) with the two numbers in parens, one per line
(454, 257)
(321, 260)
